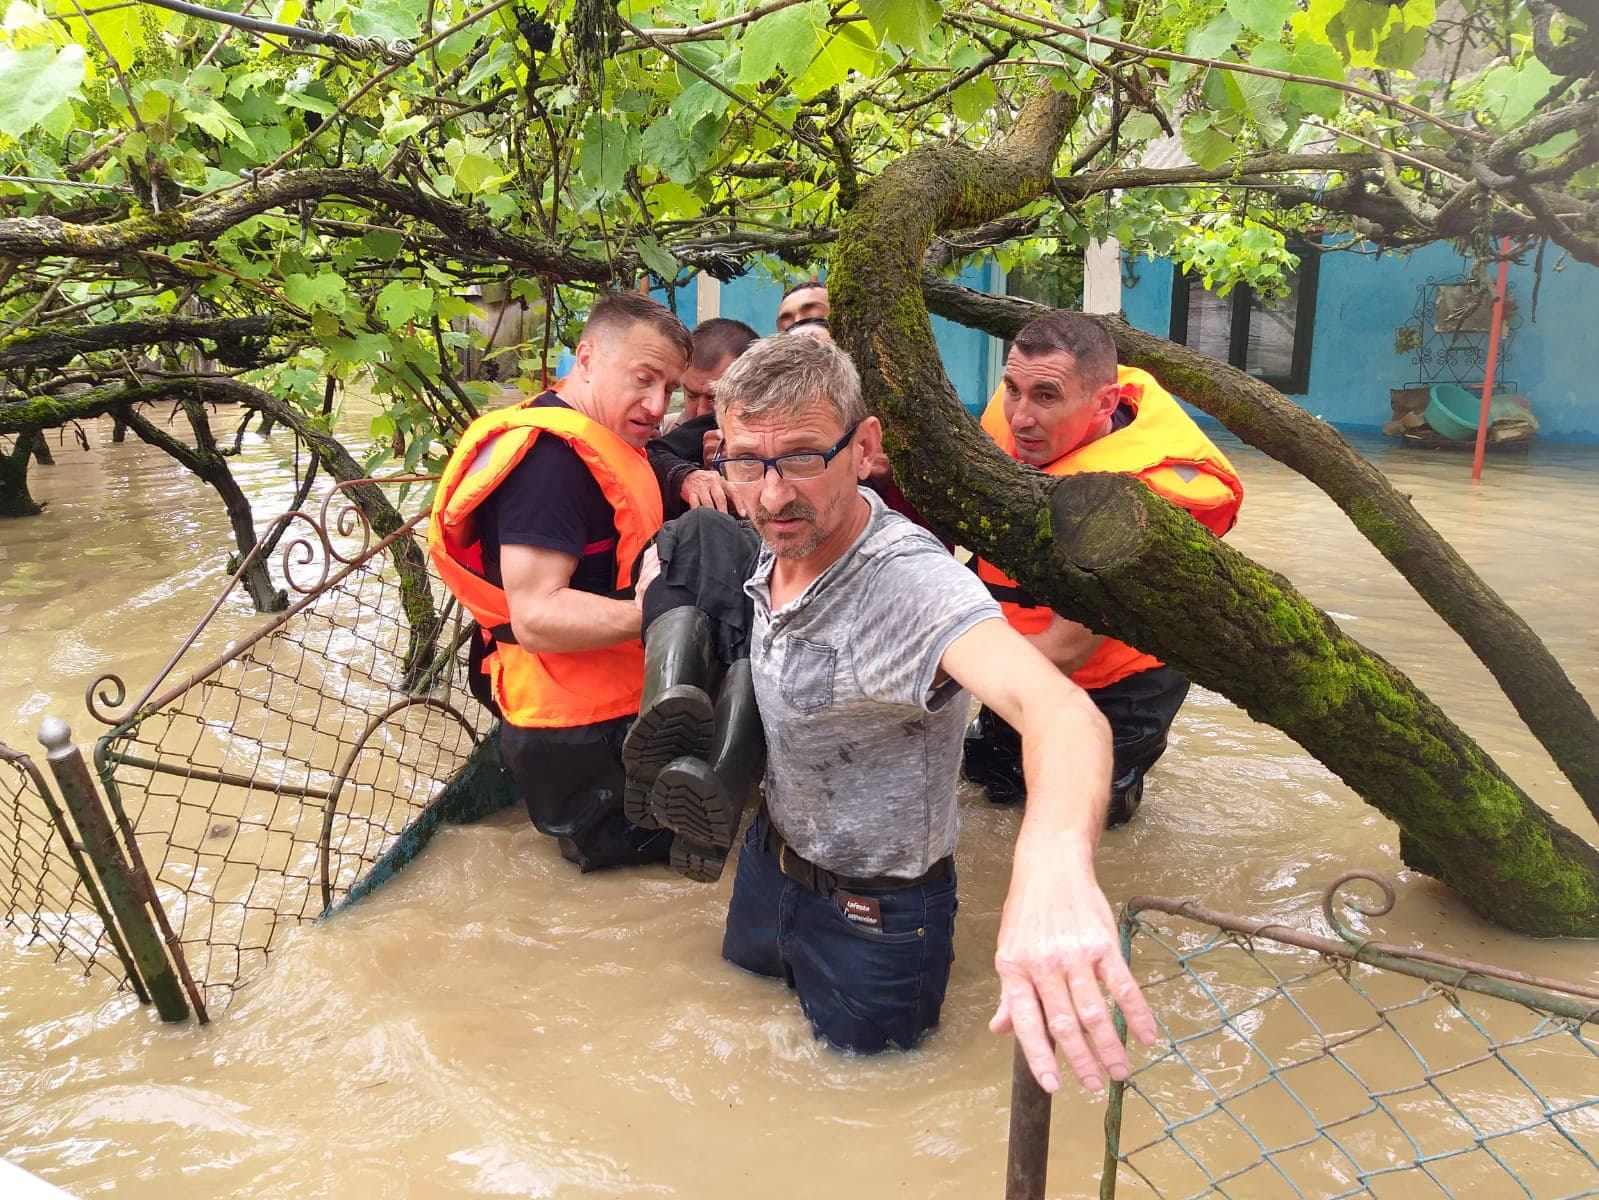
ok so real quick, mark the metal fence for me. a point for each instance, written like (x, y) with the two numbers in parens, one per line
(1296, 1065)
(249, 791)
(48, 897)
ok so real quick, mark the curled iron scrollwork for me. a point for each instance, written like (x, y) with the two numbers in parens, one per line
(97, 693)
(1331, 900)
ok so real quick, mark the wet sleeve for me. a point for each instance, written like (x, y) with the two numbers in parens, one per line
(549, 500)
(920, 602)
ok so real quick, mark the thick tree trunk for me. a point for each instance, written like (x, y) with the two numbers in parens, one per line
(15, 499)
(1543, 695)
(1105, 551)
(41, 451)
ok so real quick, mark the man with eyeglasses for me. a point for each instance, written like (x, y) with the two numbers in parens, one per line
(865, 634)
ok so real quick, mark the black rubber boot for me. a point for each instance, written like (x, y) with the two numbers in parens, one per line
(703, 801)
(1126, 794)
(617, 843)
(675, 713)
(993, 758)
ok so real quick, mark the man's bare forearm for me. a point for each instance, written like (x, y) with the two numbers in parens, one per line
(567, 620)
(1066, 758)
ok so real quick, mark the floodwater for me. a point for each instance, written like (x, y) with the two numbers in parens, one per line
(493, 1025)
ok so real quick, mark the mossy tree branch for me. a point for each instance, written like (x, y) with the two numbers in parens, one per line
(195, 391)
(54, 344)
(472, 231)
(1094, 547)
(1127, 553)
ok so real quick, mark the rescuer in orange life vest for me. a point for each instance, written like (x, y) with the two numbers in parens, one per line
(1064, 406)
(538, 522)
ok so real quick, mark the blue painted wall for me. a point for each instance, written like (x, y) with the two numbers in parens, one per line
(1363, 298)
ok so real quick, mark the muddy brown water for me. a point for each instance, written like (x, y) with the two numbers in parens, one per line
(492, 1025)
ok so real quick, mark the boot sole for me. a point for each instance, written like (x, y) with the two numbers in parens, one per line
(636, 805)
(700, 863)
(678, 724)
(691, 803)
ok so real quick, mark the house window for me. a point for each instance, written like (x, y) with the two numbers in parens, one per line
(1269, 338)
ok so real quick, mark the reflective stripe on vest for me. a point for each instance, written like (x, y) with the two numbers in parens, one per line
(1166, 451)
(545, 690)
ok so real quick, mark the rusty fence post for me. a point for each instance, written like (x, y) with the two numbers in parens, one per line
(1028, 1161)
(80, 867)
(127, 895)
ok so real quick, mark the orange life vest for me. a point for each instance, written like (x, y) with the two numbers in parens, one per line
(545, 690)
(1161, 446)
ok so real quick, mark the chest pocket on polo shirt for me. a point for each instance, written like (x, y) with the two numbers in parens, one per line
(807, 682)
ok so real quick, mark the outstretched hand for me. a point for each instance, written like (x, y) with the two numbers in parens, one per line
(1058, 957)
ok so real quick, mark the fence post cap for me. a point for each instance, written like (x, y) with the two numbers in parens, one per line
(56, 737)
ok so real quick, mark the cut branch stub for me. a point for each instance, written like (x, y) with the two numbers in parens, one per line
(1098, 520)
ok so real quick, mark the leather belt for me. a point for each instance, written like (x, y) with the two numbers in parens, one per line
(824, 882)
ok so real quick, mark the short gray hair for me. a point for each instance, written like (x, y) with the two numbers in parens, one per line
(782, 376)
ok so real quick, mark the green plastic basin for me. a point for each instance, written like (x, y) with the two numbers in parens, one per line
(1452, 411)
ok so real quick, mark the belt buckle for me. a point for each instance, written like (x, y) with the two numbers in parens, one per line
(805, 878)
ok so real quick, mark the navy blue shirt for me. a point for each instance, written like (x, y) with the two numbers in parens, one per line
(550, 500)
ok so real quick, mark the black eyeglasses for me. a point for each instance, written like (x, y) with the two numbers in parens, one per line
(801, 464)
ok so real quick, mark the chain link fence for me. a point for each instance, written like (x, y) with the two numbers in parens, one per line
(50, 898)
(250, 791)
(1293, 1065)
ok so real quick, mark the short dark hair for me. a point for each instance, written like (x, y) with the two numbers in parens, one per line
(717, 338)
(620, 311)
(802, 285)
(1071, 333)
(806, 322)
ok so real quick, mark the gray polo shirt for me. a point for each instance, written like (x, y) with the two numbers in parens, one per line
(863, 752)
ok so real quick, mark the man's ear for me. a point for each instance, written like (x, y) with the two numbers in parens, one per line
(584, 354)
(1105, 401)
(868, 447)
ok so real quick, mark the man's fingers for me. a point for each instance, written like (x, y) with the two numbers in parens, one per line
(1032, 1036)
(1000, 1021)
(1123, 988)
(1066, 1028)
(1094, 1019)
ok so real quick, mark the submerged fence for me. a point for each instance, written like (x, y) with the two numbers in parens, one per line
(50, 896)
(249, 790)
(1295, 1065)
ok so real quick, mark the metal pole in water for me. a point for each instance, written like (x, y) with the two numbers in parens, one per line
(1496, 328)
(1029, 1133)
(125, 896)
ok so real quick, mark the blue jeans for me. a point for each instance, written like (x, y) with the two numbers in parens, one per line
(862, 989)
